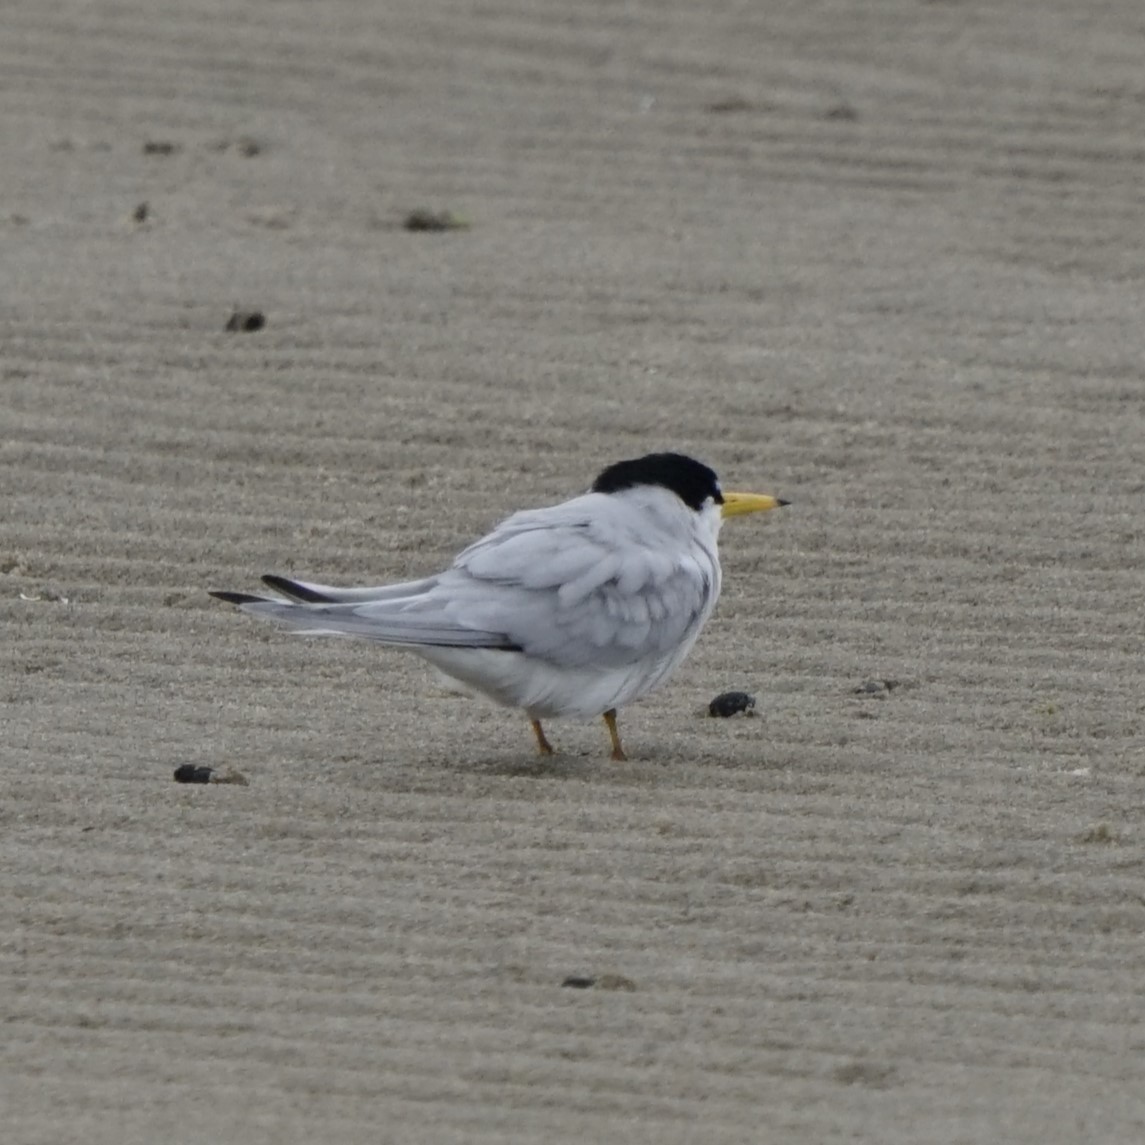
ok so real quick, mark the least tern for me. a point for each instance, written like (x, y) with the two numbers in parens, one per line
(573, 610)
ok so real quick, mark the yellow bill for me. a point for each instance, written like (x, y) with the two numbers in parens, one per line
(736, 504)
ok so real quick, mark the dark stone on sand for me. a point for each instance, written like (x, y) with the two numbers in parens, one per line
(246, 321)
(189, 773)
(879, 688)
(427, 220)
(731, 703)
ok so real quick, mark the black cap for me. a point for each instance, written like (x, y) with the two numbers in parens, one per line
(692, 481)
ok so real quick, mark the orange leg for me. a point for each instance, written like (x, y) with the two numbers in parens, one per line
(543, 745)
(610, 723)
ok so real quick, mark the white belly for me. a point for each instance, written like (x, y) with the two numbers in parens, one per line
(546, 691)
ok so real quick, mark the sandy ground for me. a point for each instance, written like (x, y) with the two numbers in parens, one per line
(883, 259)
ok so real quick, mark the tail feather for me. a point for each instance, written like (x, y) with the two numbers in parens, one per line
(308, 593)
(385, 622)
(239, 598)
(298, 590)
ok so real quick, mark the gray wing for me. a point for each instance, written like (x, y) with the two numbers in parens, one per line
(309, 593)
(383, 623)
(576, 585)
(579, 585)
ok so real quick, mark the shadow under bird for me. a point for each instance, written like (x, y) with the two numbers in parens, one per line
(572, 610)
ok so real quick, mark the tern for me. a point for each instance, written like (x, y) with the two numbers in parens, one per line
(574, 610)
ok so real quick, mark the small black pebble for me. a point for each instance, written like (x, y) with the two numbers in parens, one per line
(246, 321)
(426, 220)
(141, 212)
(159, 147)
(577, 983)
(189, 773)
(878, 688)
(731, 103)
(729, 703)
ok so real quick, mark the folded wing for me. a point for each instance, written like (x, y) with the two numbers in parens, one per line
(584, 584)
(573, 585)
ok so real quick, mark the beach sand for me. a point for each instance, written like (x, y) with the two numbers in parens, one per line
(884, 260)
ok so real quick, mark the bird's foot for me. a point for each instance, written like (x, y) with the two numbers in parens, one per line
(543, 745)
(614, 735)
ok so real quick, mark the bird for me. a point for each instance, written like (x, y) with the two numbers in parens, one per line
(574, 610)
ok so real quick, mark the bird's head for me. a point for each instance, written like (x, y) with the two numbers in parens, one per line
(693, 482)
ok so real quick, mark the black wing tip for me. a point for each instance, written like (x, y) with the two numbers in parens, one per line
(237, 597)
(295, 590)
(481, 647)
